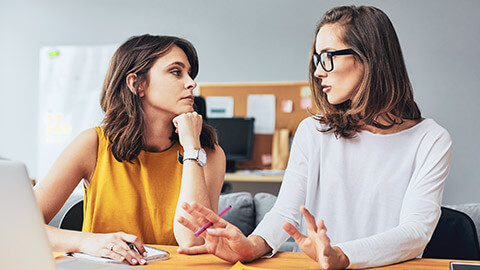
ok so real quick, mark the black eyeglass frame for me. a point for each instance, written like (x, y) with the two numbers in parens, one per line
(317, 57)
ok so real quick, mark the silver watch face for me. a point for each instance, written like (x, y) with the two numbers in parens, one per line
(196, 154)
(202, 157)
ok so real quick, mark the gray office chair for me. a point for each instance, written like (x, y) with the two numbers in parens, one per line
(73, 218)
(455, 237)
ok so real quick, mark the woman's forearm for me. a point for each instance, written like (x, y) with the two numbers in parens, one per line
(64, 240)
(260, 248)
(193, 188)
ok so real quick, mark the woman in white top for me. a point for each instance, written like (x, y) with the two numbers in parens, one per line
(370, 168)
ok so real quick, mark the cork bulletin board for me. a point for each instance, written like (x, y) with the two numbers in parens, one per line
(297, 92)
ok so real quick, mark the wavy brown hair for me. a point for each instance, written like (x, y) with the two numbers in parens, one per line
(385, 91)
(124, 121)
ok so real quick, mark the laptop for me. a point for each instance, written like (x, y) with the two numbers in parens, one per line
(24, 240)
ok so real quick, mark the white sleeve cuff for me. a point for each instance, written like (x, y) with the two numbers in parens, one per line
(270, 254)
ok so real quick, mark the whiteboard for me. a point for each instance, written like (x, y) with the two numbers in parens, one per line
(71, 79)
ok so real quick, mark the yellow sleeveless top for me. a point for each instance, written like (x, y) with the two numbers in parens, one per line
(138, 198)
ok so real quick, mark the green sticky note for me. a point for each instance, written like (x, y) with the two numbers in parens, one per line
(53, 53)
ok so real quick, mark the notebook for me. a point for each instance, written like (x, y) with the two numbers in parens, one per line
(24, 240)
(154, 254)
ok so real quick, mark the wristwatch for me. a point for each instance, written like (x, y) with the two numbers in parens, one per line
(196, 154)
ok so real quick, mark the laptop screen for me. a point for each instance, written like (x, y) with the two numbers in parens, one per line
(24, 241)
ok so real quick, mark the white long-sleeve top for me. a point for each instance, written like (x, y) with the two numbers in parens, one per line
(380, 195)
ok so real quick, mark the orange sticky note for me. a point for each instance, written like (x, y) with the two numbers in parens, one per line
(241, 266)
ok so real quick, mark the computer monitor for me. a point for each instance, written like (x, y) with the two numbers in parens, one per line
(235, 136)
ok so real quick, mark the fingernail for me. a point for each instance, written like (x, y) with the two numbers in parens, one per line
(211, 230)
(145, 254)
(134, 261)
(143, 261)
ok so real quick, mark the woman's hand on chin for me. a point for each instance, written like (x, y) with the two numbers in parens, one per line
(188, 126)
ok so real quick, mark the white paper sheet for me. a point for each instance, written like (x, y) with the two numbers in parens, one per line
(154, 254)
(262, 108)
(220, 107)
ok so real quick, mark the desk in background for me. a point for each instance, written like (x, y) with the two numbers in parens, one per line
(254, 177)
(254, 182)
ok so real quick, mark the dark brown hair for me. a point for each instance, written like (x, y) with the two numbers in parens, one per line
(124, 121)
(385, 91)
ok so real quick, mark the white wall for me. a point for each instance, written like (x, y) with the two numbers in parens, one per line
(251, 41)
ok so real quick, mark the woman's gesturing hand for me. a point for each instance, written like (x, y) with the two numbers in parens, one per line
(222, 239)
(114, 246)
(188, 126)
(317, 244)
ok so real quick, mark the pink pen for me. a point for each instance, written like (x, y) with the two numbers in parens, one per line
(208, 224)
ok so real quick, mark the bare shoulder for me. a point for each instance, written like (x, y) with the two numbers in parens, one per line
(215, 162)
(75, 163)
(216, 154)
(83, 151)
(87, 138)
(85, 144)
(215, 174)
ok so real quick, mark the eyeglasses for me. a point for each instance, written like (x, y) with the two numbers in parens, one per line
(326, 58)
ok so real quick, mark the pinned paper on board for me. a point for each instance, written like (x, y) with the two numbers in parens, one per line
(305, 91)
(266, 159)
(262, 108)
(306, 103)
(219, 107)
(287, 106)
(305, 98)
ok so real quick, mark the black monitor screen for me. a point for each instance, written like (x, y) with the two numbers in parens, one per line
(235, 136)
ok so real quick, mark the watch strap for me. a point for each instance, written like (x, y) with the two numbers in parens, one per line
(195, 154)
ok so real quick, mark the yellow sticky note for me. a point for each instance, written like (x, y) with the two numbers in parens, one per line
(305, 91)
(241, 266)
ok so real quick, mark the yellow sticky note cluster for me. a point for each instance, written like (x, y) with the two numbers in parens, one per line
(59, 128)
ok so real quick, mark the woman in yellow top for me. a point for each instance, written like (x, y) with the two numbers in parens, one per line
(134, 184)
